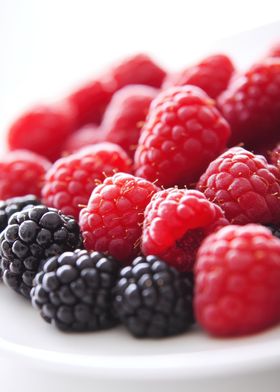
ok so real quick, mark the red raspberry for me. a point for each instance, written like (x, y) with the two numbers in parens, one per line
(42, 129)
(137, 69)
(237, 275)
(91, 99)
(22, 172)
(70, 181)
(113, 218)
(251, 104)
(244, 185)
(125, 115)
(85, 136)
(183, 133)
(212, 75)
(274, 50)
(175, 223)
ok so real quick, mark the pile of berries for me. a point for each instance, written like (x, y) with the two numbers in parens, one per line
(142, 199)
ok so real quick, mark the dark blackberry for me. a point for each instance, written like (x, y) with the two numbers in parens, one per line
(153, 299)
(32, 236)
(10, 206)
(74, 291)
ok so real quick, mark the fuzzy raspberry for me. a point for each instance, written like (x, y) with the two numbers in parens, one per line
(125, 115)
(175, 223)
(251, 104)
(111, 223)
(70, 181)
(21, 173)
(244, 185)
(91, 99)
(183, 133)
(85, 136)
(42, 129)
(211, 74)
(237, 275)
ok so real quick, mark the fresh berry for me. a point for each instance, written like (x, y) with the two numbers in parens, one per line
(91, 99)
(22, 172)
(137, 69)
(125, 115)
(212, 75)
(15, 204)
(274, 50)
(70, 181)
(112, 221)
(275, 230)
(237, 275)
(42, 129)
(74, 291)
(175, 223)
(244, 185)
(183, 133)
(85, 136)
(251, 104)
(274, 156)
(152, 299)
(32, 236)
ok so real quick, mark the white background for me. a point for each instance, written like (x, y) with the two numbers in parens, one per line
(48, 46)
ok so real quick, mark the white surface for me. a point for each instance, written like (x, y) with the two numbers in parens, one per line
(47, 46)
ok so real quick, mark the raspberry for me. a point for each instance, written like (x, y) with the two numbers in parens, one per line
(42, 129)
(212, 75)
(137, 69)
(31, 237)
(175, 223)
(125, 115)
(152, 299)
(183, 133)
(111, 223)
(74, 291)
(22, 172)
(91, 99)
(244, 185)
(70, 181)
(15, 204)
(251, 104)
(85, 136)
(237, 275)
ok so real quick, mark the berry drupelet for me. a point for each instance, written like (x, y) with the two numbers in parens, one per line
(153, 299)
(15, 204)
(31, 237)
(74, 291)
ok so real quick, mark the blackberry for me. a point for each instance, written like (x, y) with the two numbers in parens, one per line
(74, 291)
(32, 236)
(275, 230)
(15, 204)
(153, 299)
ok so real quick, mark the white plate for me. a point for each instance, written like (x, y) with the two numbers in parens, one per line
(35, 355)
